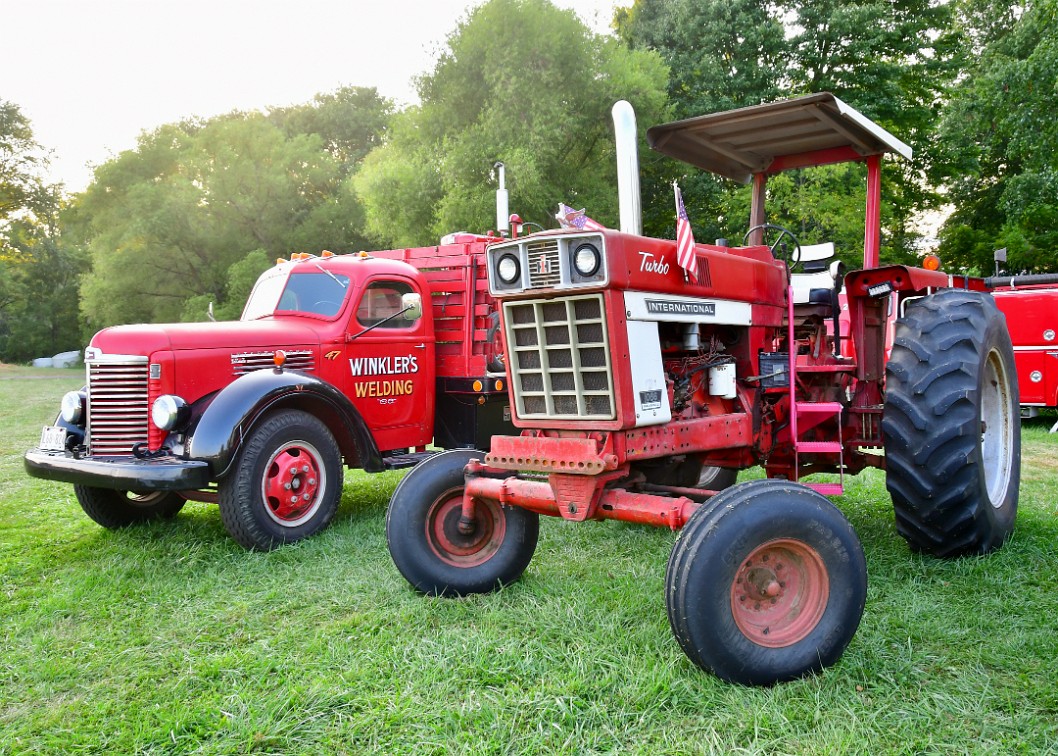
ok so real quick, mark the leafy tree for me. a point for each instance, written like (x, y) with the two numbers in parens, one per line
(1001, 139)
(38, 273)
(890, 60)
(722, 54)
(164, 223)
(523, 82)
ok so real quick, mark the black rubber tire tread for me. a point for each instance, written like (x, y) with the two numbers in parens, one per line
(932, 420)
(118, 509)
(707, 554)
(242, 506)
(412, 554)
(717, 478)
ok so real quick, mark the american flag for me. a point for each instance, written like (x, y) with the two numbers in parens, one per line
(567, 217)
(684, 238)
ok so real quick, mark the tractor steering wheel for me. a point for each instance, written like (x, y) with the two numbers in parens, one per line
(795, 256)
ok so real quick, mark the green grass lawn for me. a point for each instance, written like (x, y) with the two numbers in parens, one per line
(172, 639)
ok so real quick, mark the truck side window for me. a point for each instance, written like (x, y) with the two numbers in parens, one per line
(381, 300)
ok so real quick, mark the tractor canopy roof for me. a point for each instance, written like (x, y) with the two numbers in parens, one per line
(817, 129)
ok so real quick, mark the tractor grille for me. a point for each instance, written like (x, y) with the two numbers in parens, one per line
(560, 358)
(545, 267)
(117, 406)
(248, 362)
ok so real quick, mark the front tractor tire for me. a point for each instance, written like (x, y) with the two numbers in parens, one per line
(951, 425)
(767, 582)
(119, 509)
(427, 546)
(286, 482)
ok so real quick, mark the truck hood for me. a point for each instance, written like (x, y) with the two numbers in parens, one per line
(236, 335)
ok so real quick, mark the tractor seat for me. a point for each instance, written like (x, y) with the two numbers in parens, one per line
(820, 283)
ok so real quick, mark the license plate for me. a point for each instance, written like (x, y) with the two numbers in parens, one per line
(53, 438)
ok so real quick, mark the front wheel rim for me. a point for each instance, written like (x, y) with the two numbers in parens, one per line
(458, 549)
(779, 593)
(294, 484)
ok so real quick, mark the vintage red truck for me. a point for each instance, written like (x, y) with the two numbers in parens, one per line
(357, 360)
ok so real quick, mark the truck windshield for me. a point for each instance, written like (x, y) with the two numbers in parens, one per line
(310, 292)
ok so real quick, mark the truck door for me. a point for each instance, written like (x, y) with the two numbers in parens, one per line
(391, 366)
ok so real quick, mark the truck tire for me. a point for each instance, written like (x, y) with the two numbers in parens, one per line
(717, 478)
(766, 583)
(429, 550)
(286, 483)
(951, 425)
(118, 509)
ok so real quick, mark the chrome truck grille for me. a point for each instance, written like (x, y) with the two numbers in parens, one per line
(560, 358)
(117, 405)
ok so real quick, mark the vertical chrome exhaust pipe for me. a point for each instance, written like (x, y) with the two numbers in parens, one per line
(624, 125)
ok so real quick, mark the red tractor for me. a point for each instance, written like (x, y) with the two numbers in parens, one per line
(628, 376)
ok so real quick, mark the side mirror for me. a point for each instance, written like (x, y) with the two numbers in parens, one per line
(411, 306)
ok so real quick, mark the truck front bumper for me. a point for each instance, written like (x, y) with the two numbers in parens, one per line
(120, 473)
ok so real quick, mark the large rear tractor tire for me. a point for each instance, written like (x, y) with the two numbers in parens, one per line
(424, 539)
(118, 509)
(286, 482)
(767, 582)
(951, 425)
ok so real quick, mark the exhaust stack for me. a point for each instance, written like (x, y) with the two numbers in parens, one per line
(624, 124)
(502, 218)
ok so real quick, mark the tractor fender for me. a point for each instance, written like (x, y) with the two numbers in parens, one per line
(219, 432)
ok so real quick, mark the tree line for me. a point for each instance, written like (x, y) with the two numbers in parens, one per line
(197, 209)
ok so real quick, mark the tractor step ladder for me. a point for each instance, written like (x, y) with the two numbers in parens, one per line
(812, 413)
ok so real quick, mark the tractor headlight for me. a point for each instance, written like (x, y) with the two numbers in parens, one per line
(508, 269)
(169, 411)
(586, 259)
(73, 405)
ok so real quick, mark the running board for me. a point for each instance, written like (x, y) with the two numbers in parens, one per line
(402, 461)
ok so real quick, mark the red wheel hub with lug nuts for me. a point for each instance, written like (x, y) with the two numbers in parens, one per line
(292, 483)
(780, 593)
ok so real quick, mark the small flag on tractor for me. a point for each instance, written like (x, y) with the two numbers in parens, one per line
(684, 238)
(567, 217)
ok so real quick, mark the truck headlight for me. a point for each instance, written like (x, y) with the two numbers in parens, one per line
(169, 411)
(73, 404)
(586, 259)
(507, 269)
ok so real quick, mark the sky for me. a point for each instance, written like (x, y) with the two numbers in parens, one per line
(91, 75)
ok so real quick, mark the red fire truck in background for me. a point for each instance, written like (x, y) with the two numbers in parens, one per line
(338, 360)
(1030, 304)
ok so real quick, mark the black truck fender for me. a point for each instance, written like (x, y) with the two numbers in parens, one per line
(219, 432)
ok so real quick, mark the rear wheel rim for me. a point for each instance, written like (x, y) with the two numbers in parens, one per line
(458, 549)
(779, 593)
(997, 428)
(294, 483)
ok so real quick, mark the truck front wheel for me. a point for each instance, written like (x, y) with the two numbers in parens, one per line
(951, 429)
(286, 483)
(430, 549)
(766, 583)
(119, 509)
